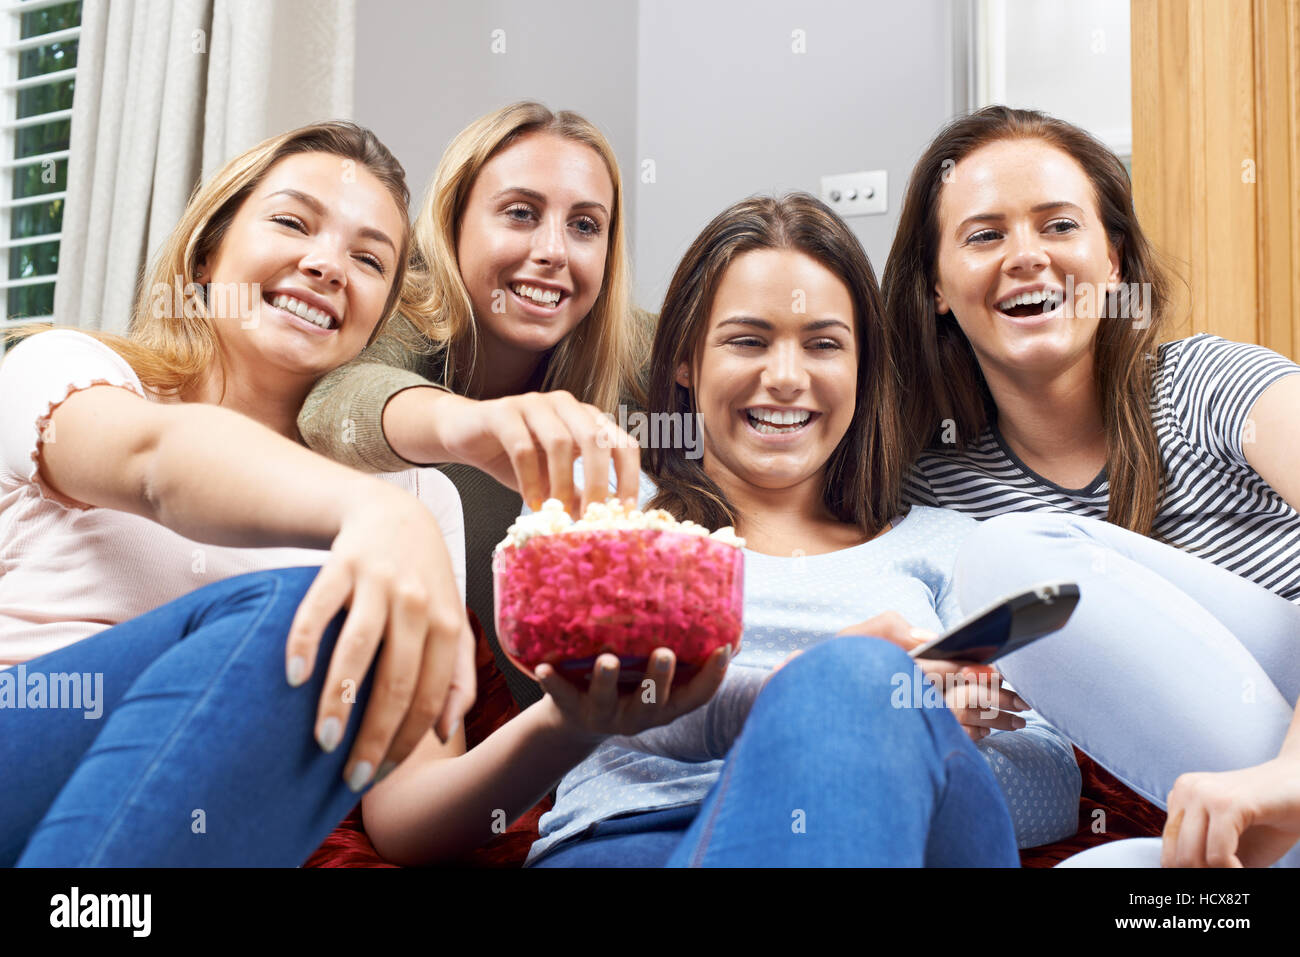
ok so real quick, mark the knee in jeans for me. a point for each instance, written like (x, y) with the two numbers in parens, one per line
(853, 665)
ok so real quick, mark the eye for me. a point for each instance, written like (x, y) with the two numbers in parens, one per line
(825, 344)
(373, 261)
(587, 226)
(521, 213)
(984, 236)
(293, 222)
(1062, 226)
(745, 342)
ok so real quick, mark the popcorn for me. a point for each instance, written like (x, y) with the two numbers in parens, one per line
(552, 519)
(619, 580)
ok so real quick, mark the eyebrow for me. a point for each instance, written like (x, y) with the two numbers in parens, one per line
(541, 198)
(756, 323)
(317, 207)
(999, 217)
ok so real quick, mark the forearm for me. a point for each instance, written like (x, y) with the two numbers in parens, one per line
(272, 493)
(410, 423)
(342, 417)
(439, 809)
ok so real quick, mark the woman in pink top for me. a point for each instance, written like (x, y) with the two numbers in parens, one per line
(146, 720)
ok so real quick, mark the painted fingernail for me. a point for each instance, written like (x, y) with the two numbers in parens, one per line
(454, 728)
(662, 662)
(1021, 703)
(921, 634)
(361, 775)
(329, 734)
(385, 770)
(297, 670)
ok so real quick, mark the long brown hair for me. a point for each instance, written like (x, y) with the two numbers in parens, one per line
(171, 342)
(596, 358)
(943, 375)
(863, 475)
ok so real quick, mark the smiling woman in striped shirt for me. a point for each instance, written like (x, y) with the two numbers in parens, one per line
(1030, 309)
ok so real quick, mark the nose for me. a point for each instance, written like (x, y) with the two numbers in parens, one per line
(324, 261)
(784, 374)
(1025, 251)
(549, 247)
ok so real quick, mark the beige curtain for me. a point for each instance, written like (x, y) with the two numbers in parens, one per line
(167, 91)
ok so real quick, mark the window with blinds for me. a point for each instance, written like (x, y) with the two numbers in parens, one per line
(40, 67)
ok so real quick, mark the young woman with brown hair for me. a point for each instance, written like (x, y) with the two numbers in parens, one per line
(1030, 309)
(771, 333)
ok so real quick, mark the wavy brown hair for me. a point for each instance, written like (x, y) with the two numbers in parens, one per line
(943, 375)
(863, 477)
(172, 348)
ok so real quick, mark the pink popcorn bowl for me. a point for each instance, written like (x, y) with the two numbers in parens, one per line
(564, 599)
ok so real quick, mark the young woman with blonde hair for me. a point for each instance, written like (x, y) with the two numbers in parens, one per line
(516, 329)
(515, 341)
(1030, 311)
(148, 720)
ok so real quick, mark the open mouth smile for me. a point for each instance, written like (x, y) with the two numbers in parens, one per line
(546, 298)
(770, 421)
(301, 310)
(1033, 304)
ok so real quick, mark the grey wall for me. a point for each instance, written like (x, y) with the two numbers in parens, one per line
(425, 69)
(710, 90)
(726, 109)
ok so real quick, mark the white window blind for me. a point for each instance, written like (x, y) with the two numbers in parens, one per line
(39, 42)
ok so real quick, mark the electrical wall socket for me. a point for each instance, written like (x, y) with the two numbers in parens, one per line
(857, 194)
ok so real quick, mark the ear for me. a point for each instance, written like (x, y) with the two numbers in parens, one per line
(940, 301)
(1113, 254)
(683, 376)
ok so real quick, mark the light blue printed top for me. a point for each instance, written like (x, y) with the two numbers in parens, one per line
(791, 604)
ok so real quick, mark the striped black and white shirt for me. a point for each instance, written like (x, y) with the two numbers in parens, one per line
(1216, 506)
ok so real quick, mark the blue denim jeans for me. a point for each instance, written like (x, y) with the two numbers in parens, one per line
(827, 772)
(1170, 664)
(203, 754)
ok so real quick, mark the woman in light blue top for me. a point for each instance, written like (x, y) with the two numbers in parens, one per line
(771, 333)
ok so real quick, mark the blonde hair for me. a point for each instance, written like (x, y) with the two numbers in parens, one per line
(171, 349)
(594, 360)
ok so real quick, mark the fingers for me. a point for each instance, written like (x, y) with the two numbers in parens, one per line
(419, 643)
(327, 594)
(592, 433)
(1169, 839)
(702, 687)
(556, 441)
(353, 652)
(889, 625)
(394, 707)
(652, 702)
(1221, 841)
(517, 441)
(463, 689)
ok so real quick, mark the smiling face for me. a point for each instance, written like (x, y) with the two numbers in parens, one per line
(303, 272)
(1018, 226)
(532, 241)
(775, 388)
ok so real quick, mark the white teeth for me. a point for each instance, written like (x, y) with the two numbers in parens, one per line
(302, 310)
(543, 297)
(765, 420)
(1051, 296)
